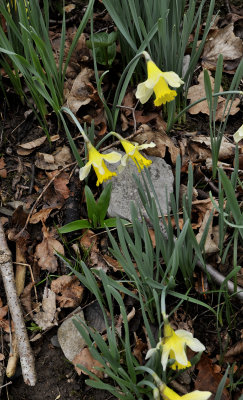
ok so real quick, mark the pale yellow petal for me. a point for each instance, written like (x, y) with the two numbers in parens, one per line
(143, 93)
(146, 145)
(124, 160)
(238, 134)
(196, 395)
(112, 157)
(190, 341)
(164, 357)
(172, 79)
(150, 352)
(84, 171)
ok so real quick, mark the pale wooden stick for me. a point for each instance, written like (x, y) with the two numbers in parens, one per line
(25, 352)
(20, 281)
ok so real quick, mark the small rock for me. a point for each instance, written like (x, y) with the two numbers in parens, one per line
(69, 338)
(124, 188)
(54, 341)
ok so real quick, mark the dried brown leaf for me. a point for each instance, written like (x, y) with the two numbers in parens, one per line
(3, 171)
(59, 158)
(196, 92)
(33, 144)
(81, 90)
(114, 264)
(85, 358)
(89, 240)
(69, 8)
(71, 293)
(41, 215)
(26, 298)
(45, 251)
(199, 148)
(48, 317)
(235, 350)
(209, 379)
(221, 41)
(3, 311)
(210, 245)
(162, 141)
(140, 346)
(60, 183)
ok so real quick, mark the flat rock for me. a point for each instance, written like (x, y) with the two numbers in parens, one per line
(69, 338)
(124, 188)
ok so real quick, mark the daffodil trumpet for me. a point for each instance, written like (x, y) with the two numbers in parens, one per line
(132, 152)
(97, 161)
(173, 344)
(158, 82)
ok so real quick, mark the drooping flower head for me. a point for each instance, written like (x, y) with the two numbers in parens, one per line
(173, 345)
(96, 160)
(132, 151)
(169, 394)
(157, 82)
(238, 134)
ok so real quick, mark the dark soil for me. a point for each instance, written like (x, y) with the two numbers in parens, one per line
(56, 378)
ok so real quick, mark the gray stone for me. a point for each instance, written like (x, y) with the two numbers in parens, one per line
(124, 188)
(69, 338)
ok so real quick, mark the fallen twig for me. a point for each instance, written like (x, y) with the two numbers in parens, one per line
(219, 279)
(25, 352)
(19, 281)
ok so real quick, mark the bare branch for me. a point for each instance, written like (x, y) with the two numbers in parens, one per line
(25, 352)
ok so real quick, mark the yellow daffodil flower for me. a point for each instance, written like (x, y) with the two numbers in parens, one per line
(173, 346)
(238, 134)
(97, 161)
(169, 394)
(157, 82)
(132, 151)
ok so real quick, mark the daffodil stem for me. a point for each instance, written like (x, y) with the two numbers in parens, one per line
(104, 139)
(199, 101)
(118, 98)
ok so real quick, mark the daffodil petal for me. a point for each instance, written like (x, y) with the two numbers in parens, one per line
(146, 145)
(172, 79)
(124, 160)
(84, 171)
(112, 157)
(120, 168)
(238, 135)
(143, 93)
(196, 395)
(190, 341)
(184, 334)
(150, 352)
(164, 357)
